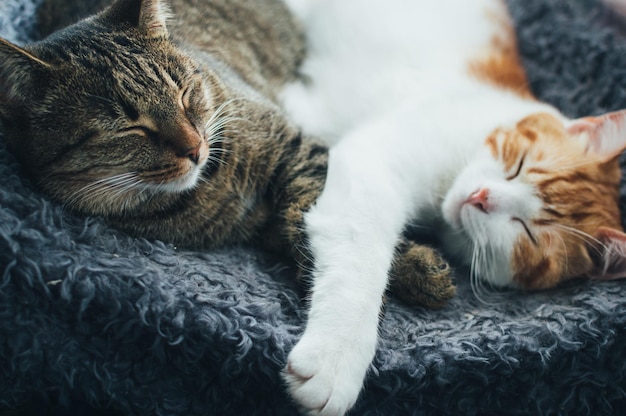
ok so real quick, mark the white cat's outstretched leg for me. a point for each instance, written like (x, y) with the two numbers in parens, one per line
(353, 230)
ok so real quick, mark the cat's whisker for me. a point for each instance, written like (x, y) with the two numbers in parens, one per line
(105, 195)
(577, 233)
(217, 160)
(110, 189)
(213, 145)
(475, 271)
(476, 283)
(306, 255)
(203, 180)
(222, 108)
(225, 105)
(597, 244)
(484, 256)
(218, 120)
(107, 180)
(564, 248)
(222, 136)
(223, 112)
(307, 267)
(125, 188)
(482, 259)
(216, 131)
(217, 153)
(217, 125)
(97, 186)
(221, 150)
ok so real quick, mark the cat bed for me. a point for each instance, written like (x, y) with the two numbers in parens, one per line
(95, 322)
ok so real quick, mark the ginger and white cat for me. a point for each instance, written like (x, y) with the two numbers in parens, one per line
(436, 126)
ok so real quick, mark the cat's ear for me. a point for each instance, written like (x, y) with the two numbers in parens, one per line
(20, 71)
(604, 136)
(608, 254)
(149, 16)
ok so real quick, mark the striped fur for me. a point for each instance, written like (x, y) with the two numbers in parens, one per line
(165, 122)
(579, 190)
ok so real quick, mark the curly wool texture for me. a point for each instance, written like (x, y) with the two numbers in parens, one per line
(92, 319)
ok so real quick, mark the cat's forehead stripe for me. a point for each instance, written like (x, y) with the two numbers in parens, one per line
(127, 61)
(492, 144)
(512, 150)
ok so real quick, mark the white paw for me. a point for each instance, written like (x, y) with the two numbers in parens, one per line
(325, 375)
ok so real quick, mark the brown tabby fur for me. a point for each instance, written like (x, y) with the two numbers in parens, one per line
(103, 107)
(118, 77)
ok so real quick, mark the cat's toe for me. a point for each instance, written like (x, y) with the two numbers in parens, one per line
(439, 287)
(311, 396)
(422, 277)
(324, 378)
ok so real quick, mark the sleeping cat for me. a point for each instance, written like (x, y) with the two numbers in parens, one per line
(119, 116)
(436, 127)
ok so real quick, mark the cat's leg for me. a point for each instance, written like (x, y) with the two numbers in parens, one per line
(353, 231)
(420, 276)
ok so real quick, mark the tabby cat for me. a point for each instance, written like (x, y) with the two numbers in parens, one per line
(163, 118)
(121, 116)
(436, 127)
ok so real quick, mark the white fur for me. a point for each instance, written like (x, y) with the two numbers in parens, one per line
(389, 84)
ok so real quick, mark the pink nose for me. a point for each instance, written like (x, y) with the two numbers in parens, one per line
(479, 199)
(193, 154)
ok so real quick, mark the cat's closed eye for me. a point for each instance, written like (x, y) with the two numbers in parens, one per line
(140, 131)
(194, 100)
(526, 229)
(185, 96)
(518, 170)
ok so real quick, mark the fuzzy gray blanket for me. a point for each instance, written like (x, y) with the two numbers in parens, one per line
(94, 322)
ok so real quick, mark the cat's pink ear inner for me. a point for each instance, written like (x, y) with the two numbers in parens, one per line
(609, 254)
(605, 135)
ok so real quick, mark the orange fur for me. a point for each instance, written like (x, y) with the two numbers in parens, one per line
(500, 64)
(580, 191)
(492, 143)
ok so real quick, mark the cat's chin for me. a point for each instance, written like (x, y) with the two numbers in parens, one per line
(181, 184)
(467, 240)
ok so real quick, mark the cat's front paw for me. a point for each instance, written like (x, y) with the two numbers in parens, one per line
(324, 376)
(421, 276)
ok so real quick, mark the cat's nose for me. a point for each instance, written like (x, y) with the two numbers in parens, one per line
(192, 153)
(185, 140)
(479, 199)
